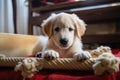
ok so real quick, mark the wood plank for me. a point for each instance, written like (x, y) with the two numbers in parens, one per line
(103, 38)
(89, 16)
(14, 15)
(62, 6)
(101, 14)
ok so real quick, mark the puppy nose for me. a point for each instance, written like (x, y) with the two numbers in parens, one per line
(63, 41)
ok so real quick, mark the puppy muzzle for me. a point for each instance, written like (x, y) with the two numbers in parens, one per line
(64, 41)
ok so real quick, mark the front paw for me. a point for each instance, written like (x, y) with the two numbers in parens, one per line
(38, 54)
(81, 55)
(50, 54)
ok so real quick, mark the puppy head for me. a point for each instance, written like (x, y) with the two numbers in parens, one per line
(63, 28)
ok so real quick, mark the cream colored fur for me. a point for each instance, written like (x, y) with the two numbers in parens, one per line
(62, 26)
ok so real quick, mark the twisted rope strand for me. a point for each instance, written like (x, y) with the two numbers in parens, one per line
(61, 63)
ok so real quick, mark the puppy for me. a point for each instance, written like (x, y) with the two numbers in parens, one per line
(64, 33)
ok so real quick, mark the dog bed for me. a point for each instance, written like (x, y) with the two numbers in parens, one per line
(63, 63)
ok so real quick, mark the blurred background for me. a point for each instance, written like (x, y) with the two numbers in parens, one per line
(25, 17)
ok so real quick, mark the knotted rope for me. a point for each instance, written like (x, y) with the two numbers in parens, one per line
(102, 60)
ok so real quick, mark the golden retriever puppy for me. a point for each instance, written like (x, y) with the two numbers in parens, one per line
(64, 33)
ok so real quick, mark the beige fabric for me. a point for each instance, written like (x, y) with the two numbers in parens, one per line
(16, 44)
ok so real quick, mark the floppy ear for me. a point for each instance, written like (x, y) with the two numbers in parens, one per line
(47, 25)
(80, 25)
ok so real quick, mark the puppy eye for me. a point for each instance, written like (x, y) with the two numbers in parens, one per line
(70, 29)
(57, 29)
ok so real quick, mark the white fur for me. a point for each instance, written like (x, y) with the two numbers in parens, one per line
(53, 46)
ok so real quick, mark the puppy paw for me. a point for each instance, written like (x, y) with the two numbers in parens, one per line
(50, 54)
(81, 55)
(38, 54)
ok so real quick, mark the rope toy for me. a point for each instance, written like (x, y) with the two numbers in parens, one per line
(28, 67)
(102, 61)
(106, 62)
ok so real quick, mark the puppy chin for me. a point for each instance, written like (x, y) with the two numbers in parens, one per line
(60, 46)
(63, 47)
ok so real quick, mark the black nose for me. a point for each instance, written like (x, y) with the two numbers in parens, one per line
(64, 41)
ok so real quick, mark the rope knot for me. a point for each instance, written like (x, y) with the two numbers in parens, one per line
(28, 67)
